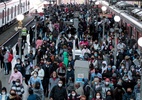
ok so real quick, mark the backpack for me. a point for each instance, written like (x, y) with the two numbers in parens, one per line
(10, 57)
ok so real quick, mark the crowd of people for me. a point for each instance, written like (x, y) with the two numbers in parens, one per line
(53, 75)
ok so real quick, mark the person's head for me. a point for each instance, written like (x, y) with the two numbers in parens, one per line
(77, 85)
(107, 81)
(109, 68)
(129, 90)
(37, 85)
(15, 69)
(96, 80)
(83, 97)
(35, 74)
(109, 93)
(31, 51)
(60, 83)
(3, 91)
(69, 68)
(73, 93)
(98, 95)
(12, 92)
(18, 61)
(17, 82)
(30, 91)
(54, 74)
(39, 38)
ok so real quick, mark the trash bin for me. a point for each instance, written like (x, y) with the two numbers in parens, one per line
(81, 70)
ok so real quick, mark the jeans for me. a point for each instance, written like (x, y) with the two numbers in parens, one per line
(6, 68)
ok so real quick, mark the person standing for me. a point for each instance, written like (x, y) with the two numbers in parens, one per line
(15, 75)
(13, 96)
(33, 79)
(4, 95)
(24, 34)
(6, 55)
(31, 35)
(31, 96)
(19, 88)
(58, 92)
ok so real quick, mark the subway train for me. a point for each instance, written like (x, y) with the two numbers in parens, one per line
(131, 23)
(9, 10)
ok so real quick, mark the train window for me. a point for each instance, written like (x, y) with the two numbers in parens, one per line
(26, 5)
(3, 16)
(23, 7)
(15, 11)
(11, 12)
(18, 9)
(8, 14)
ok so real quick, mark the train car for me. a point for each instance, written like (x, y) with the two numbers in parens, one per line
(132, 24)
(9, 10)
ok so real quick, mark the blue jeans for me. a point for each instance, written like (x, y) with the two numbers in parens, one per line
(6, 68)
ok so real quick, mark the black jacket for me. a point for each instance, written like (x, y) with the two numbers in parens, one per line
(58, 93)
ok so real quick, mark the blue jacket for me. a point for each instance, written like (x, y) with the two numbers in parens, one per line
(126, 96)
(33, 80)
(6, 97)
(32, 97)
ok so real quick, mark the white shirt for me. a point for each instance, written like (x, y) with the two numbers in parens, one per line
(41, 74)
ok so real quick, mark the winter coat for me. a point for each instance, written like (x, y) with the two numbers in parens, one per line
(126, 96)
(58, 93)
(32, 97)
(39, 93)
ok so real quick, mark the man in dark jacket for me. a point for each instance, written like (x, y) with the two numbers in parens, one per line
(58, 92)
(129, 95)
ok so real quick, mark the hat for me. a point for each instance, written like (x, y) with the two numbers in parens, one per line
(127, 57)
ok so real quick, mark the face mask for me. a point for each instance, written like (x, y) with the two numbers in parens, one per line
(109, 69)
(107, 83)
(129, 92)
(125, 71)
(96, 83)
(17, 83)
(3, 93)
(18, 62)
(73, 94)
(97, 97)
(13, 94)
(122, 67)
(126, 79)
(95, 55)
(69, 69)
(60, 85)
(35, 75)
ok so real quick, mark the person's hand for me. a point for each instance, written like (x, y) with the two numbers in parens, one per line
(29, 85)
(51, 98)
